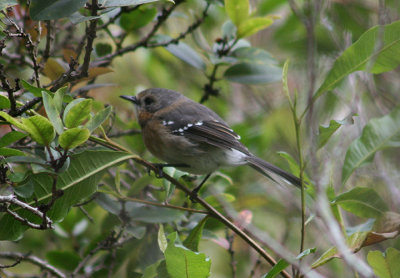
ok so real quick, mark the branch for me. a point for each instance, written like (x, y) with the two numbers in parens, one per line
(34, 260)
(11, 199)
(10, 91)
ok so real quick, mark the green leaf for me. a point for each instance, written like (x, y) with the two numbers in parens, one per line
(247, 73)
(52, 112)
(363, 202)
(137, 18)
(102, 49)
(98, 119)
(385, 265)
(278, 268)
(184, 263)
(184, 52)
(54, 9)
(254, 55)
(58, 98)
(11, 137)
(37, 92)
(76, 112)
(10, 152)
(73, 137)
(252, 25)
(40, 129)
(376, 135)
(326, 131)
(229, 30)
(237, 10)
(151, 214)
(162, 240)
(7, 3)
(15, 122)
(63, 259)
(193, 240)
(4, 102)
(78, 182)
(360, 54)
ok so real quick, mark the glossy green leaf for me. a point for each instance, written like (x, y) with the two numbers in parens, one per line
(98, 119)
(193, 240)
(15, 122)
(10, 152)
(385, 265)
(377, 134)
(363, 202)
(162, 240)
(77, 112)
(54, 9)
(184, 52)
(184, 263)
(363, 55)
(326, 131)
(52, 112)
(237, 10)
(78, 182)
(73, 137)
(4, 102)
(10, 138)
(137, 18)
(252, 25)
(247, 73)
(40, 129)
(7, 3)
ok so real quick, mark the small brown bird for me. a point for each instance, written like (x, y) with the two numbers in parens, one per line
(192, 137)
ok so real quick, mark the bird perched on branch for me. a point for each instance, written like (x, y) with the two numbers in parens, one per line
(192, 137)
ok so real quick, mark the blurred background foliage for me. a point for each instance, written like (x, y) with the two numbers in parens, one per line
(311, 34)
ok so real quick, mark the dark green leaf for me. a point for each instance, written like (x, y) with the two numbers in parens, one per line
(10, 152)
(25, 190)
(376, 135)
(52, 112)
(360, 55)
(40, 129)
(77, 112)
(4, 102)
(247, 73)
(121, 3)
(151, 214)
(193, 240)
(103, 49)
(11, 137)
(73, 137)
(326, 131)
(54, 9)
(278, 268)
(63, 259)
(137, 18)
(385, 265)
(362, 201)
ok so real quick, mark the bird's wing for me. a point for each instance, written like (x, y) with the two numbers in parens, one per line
(202, 125)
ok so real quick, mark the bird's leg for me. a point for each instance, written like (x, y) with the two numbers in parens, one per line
(197, 188)
(160, 166)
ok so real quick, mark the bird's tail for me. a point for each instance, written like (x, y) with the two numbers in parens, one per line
(266, 169)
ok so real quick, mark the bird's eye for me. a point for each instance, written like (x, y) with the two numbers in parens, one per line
(148, 100)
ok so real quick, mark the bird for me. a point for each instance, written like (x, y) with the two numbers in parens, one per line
(193, 138)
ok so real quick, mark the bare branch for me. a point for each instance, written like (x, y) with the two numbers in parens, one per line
(34, 260)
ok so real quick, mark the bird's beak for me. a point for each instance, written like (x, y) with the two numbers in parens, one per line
(131, 99)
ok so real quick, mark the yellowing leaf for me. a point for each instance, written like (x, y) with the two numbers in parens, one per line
(93, 72)
(68, 53)
(53, 69)
(237, 10)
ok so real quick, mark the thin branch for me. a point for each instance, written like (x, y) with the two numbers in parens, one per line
(34, 260)
(49, 38)
(11, 199)
(10, 91)
(125, 133)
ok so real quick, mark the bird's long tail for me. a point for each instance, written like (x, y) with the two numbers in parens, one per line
(266, 169)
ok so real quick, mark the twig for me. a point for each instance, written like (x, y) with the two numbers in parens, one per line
(11, 199)
(10, 91)
(125, 133)
(34, 260)
(46, 53)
